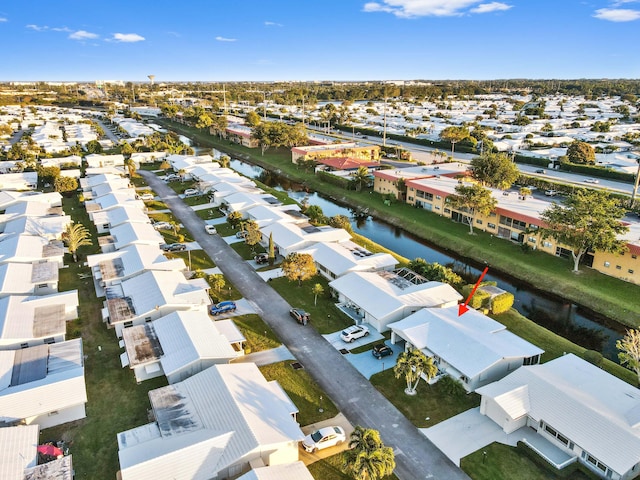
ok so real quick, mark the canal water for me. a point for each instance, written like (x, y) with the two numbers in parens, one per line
(560, 316)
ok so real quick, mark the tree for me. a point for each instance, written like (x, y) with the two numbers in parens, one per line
(581, 152)
(629, 347)
(317, 289)
(341, 221)
(472, 200)
(298, 267)
(454, 135)
(224, 161)
(368, 458)
(93, 146)
(361, 176)
(126, 148)
(253, 235)
(315, 214)
(165, 165)
(234, 219)
(204, 120)
(411, 365)
(494, 169)
(131, 166)
(586, 220)
(524, 192)
(76, 236)
(272, 250)
(65, 184)
(217, 282)
(252, 119)
(176, 227)
(47, 174)
(435, 272)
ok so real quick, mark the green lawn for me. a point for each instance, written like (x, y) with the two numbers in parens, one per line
(138, 181)
(226, 230)
(303, 391)
(196, 200)
(155, 205)
(554, 345)
(115, 402)
(430, 402)
(503, 462)
(195, 259)
(325, 316)
(611, 297)
(210, 213)
(247, 251)
(258, 334)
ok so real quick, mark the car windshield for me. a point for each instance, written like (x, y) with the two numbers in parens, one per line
(316, 436)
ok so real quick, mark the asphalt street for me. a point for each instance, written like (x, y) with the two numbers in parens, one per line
(416, 457)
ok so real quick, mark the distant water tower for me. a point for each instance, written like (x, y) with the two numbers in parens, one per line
(151, 78)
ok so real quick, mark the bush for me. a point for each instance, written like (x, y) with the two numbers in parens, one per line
(479, 298)
(593, 357)
(452, 387)
(502, 303)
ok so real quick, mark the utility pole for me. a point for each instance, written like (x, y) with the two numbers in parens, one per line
(384, 128)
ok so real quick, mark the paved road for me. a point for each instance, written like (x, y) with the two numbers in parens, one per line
(357, 399)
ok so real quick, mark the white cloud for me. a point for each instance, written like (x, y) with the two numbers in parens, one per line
(43, 28)
(82, 35)
(61, 29)
(273, 24)
(424, 8)
(3, 19)
(223, 39)
(491, 7)
(37, 28)
(617, 14)
(127, 37)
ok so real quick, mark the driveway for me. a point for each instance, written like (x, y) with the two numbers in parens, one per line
(368, 365)
(355, 397)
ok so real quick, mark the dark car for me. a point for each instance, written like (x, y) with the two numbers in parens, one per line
(540, 170)
(173, 247)
(381, 350)
(300, 315)
(223, 307)
(261, 258)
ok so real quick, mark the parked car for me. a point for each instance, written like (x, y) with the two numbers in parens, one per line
(550, 193)
(242, 234)
(300, 315)
(261, 258)
(324, 438)
(173, 247)
(210, 229)
(591, 180)
(162, 226)
(223, 307)
(147, 196)
(172, 177)
(191, 192)
(353, 333)
(541, 170)
(381, 350)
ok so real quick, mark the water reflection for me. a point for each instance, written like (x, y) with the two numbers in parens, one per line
(561, 317)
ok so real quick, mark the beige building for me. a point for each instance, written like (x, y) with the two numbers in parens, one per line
(336, 150)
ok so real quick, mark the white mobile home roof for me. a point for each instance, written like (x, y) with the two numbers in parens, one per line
(132, 233)
(21, 278)
(470, 343)
(287, 471)
(133, 259)
(53, 380)
(343, 257)
(590, 407)
(18, 450)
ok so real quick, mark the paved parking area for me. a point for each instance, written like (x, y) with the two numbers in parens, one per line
(243, 307)
(339, 420)
(369, 365)
(337, 343)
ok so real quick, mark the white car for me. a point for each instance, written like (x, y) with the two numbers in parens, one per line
(162, 226)
(147, 196)
(171, 177)
(353, 333)
(210, 229)
(324, 438)
(591, 180)
(191, 192)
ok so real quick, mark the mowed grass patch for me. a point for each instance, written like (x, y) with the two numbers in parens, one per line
(430, 402)
(554, 345)
(303, 391)
(503, 462)
(325, 316)
(194, 259)
(258, 334)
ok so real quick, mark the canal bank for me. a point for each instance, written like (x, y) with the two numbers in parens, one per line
(612, 300)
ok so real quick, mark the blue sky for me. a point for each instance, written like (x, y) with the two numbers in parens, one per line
(266, 40)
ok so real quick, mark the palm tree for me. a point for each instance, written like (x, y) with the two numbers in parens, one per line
(361, 176)
(76, 236)
(411, 365)
(317, 289)
(131, 166)
(367, 457)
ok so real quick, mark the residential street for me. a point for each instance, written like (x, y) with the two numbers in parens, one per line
(361, 403)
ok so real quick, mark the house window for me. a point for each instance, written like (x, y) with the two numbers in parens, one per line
(491, 225)
(634, 256)
(42, 285)
(531, 239)
(533, 227)
(49, 340)
(630, 271)
(24, 345)
(492, 214)
(55, 412)
(437, 207)
(127, 324)
(546, 244)
(447, 210)
(607, 264)
(618, 267)
(438, 197)
(479, 222)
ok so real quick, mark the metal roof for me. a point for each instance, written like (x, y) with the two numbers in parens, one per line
(18, 450)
